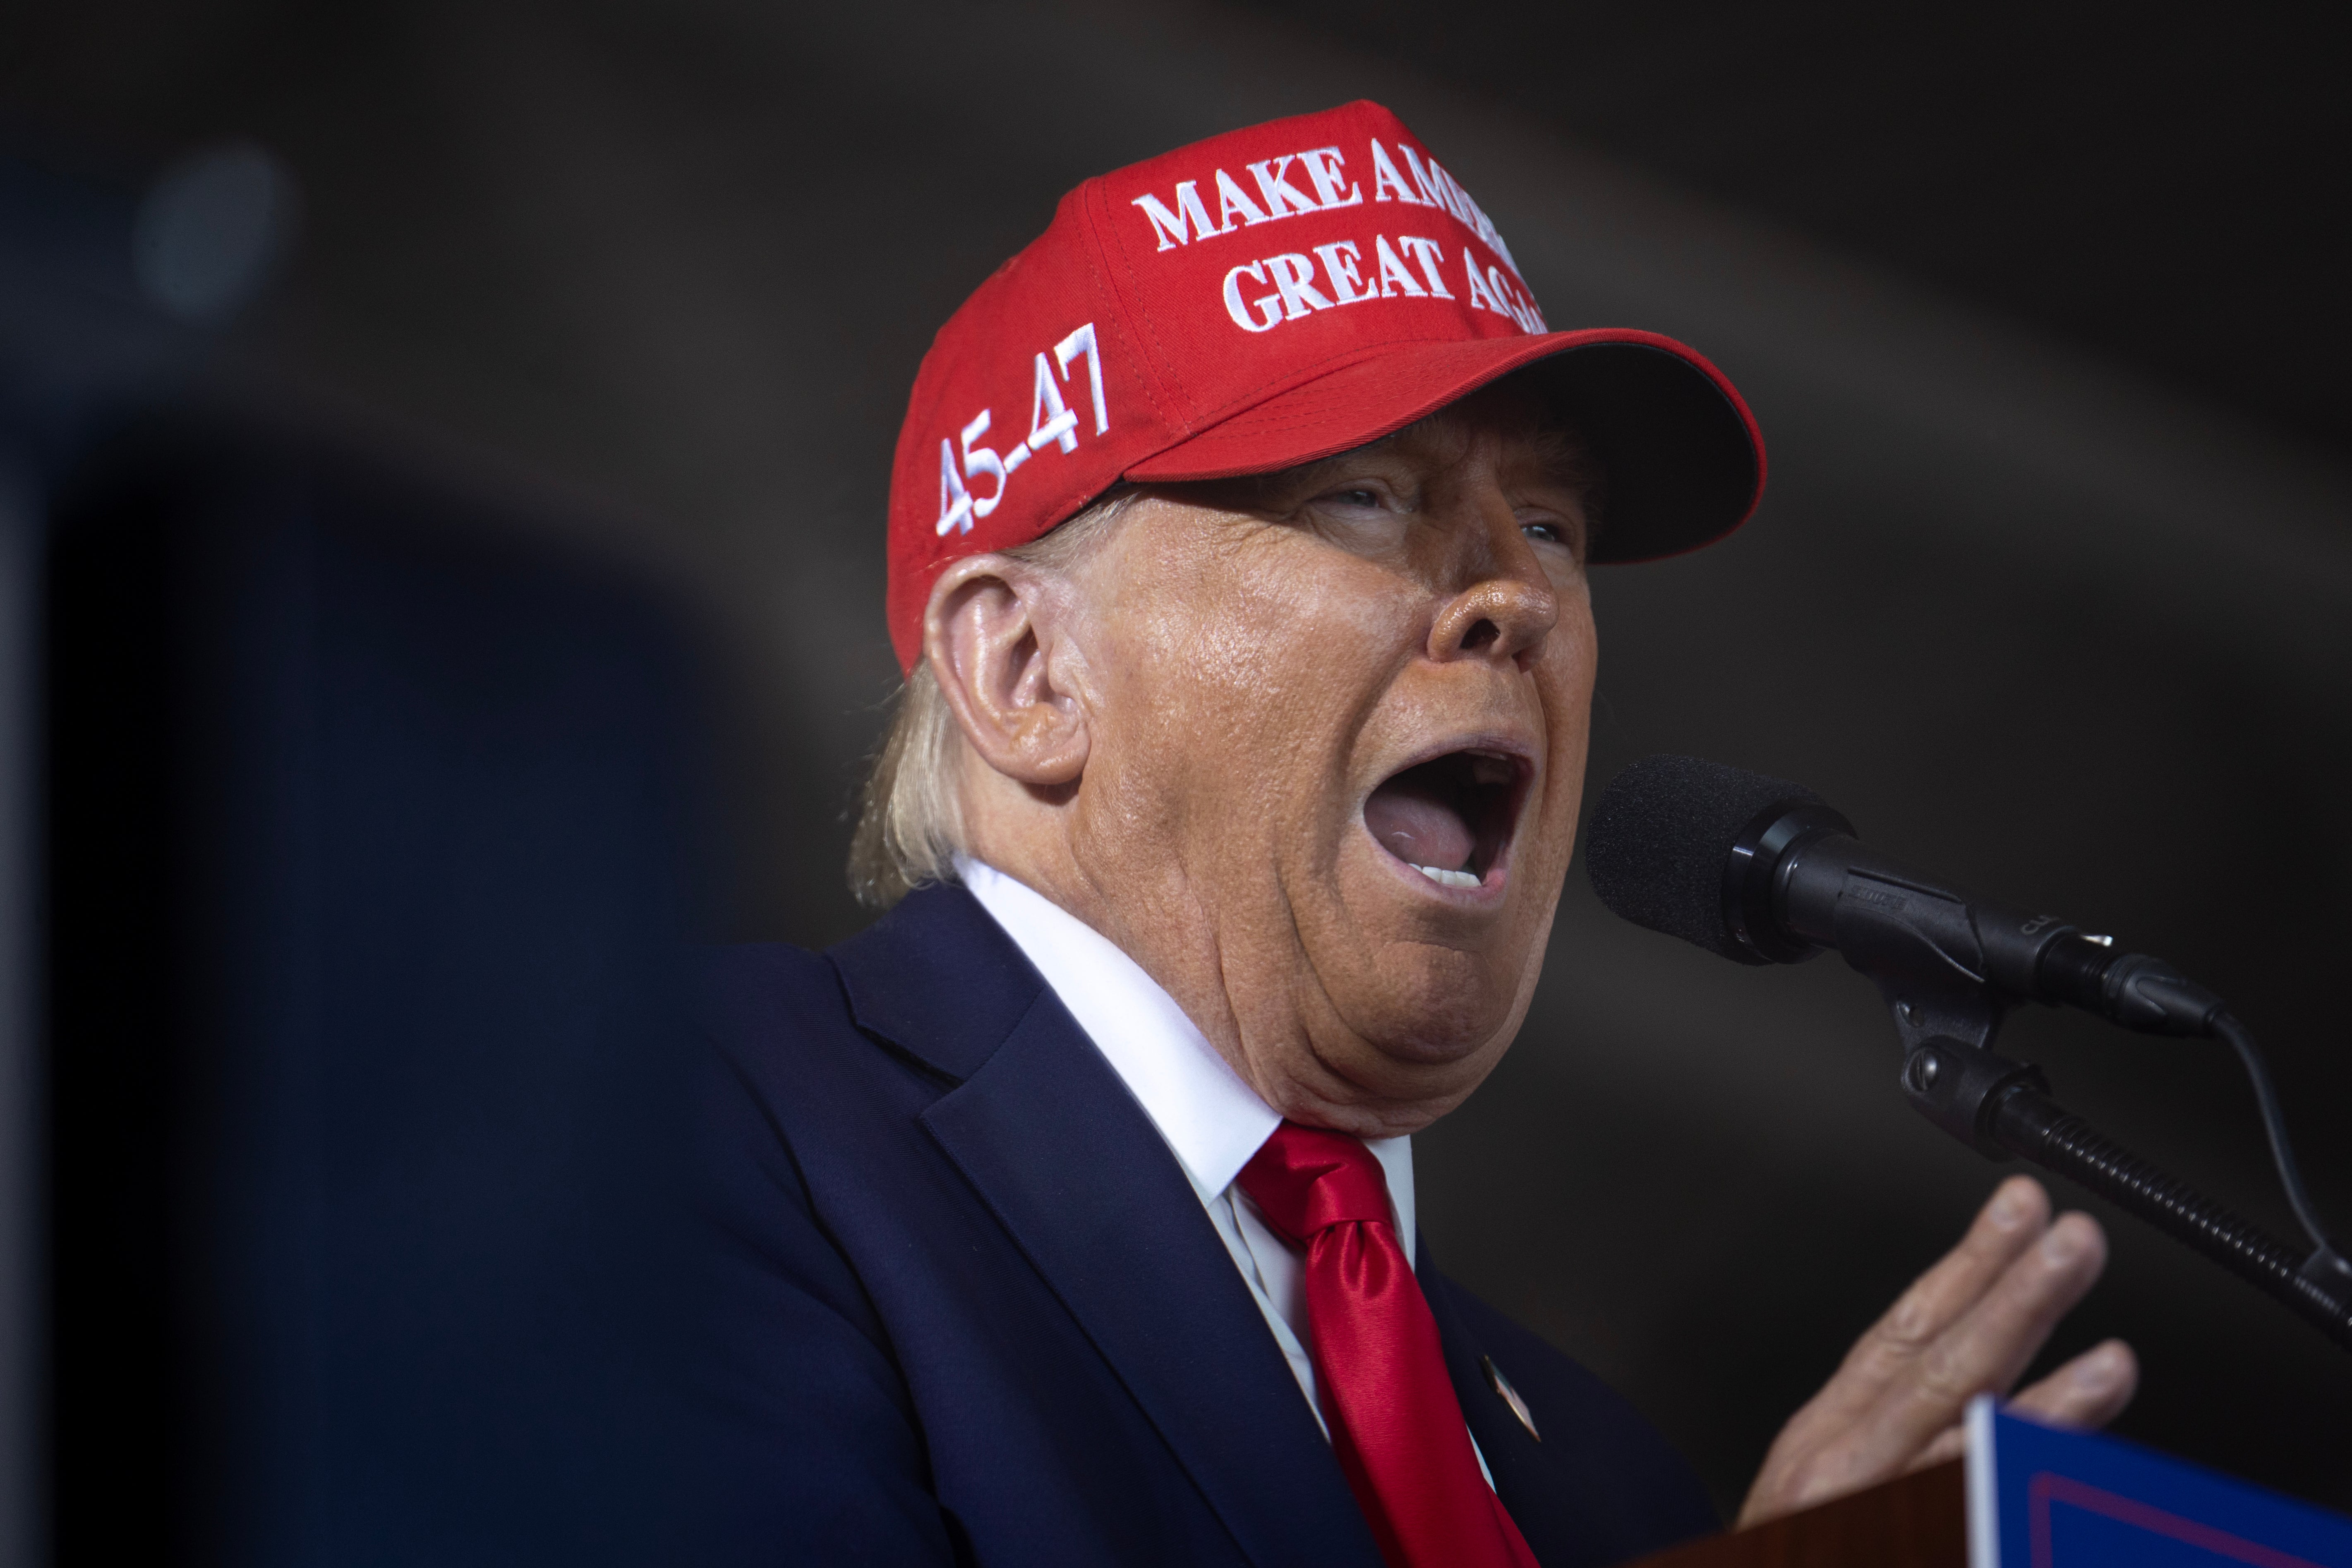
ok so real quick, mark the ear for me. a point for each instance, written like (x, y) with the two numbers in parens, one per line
(996, 636)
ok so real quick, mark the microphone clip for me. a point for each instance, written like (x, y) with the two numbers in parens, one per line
(1960, 1087)
(1950, 1074)
(2001, 1108)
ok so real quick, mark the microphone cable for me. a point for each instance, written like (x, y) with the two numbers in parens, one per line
(2327, 1258)
(1761, 870)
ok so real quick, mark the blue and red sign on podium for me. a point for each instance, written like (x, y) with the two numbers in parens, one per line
(2039, 1498)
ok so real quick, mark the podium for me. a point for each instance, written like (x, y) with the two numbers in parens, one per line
(2027, 1495)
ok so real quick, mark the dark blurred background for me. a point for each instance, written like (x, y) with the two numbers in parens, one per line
(2040, 309)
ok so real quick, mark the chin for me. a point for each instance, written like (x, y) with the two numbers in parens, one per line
(1431, 1005)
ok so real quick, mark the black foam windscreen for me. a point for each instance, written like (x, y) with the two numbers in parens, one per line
(1660, 835)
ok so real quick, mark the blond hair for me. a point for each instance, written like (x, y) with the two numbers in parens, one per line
(910, 818)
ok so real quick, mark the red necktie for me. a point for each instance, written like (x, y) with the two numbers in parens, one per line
(1395, 1425)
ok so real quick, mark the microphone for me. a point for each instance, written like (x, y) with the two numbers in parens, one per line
(1762, 871)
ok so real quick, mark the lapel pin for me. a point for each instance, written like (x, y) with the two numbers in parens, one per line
(1502, 1385)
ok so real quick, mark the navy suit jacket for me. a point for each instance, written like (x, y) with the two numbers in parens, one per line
(970, 1308)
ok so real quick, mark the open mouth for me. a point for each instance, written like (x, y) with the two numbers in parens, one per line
(1449, 818)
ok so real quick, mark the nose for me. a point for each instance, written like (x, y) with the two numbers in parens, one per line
(1508, 609)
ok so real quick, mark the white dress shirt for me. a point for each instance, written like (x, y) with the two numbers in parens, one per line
(1213, 1122)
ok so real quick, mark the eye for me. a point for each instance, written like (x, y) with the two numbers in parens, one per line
(1546, 534)
(1360, 512)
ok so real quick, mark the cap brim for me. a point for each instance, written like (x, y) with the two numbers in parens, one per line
(1682, 457)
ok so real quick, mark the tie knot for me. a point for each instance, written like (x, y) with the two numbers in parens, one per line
(1305, 1179)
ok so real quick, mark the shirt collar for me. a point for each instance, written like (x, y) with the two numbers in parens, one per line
(1211, 1118)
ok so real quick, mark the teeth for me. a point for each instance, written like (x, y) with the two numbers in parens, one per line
(1447, 879)
(1490, 770)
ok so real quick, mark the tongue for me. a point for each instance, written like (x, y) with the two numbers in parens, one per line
(1416, 826)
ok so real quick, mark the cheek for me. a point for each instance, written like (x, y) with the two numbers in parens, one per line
(1566, 681)
(1568, 702)
(1576, 644)
(1564, 687)
(1253, 662)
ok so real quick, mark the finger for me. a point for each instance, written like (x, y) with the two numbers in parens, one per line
(1814, 1454)
(2086, 1393)
(1991, 1344)
(2009, 1221)
(1949, 1444)
(1834, 1472)
(1984, 1352)
(1871, 1421)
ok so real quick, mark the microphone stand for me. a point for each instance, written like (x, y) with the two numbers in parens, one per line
(2000, 1107)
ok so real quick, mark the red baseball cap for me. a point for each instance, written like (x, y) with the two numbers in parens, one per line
(1263, 299)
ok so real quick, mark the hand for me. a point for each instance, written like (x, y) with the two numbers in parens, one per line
(1968, 1326)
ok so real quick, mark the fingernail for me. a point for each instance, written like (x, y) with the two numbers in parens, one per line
(2009, 1206)
(2063, 1245)
(2103, 1370)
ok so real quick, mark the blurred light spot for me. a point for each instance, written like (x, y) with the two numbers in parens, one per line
(213, 230)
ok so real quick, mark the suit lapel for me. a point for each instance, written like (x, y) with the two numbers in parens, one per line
(1526, 1477)
(1048, 1135)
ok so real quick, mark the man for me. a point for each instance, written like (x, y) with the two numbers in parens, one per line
(1069, 1208)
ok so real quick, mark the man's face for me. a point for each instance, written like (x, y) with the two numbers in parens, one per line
(1336, 744)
